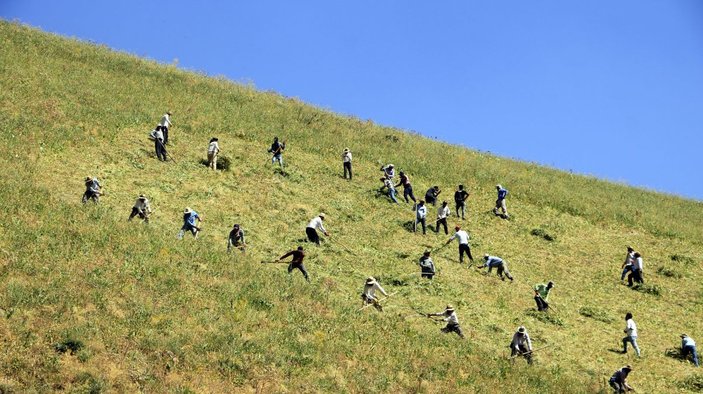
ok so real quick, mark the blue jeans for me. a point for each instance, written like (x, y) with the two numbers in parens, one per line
(279, 158)
(690, 349)
(633, 341)
(625, 270)
(391, 194)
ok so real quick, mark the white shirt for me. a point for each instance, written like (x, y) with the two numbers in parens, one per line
(463, 237)
(631, 328)
(523, 339)
(421, 211)
(159, 134)
(317, 223)
(346, 157)
(443, 212)
(452, 319)
(639, 264)
(630, 258)
(214, 147)
(143, 205)
(165, 121)
(370, 290)
(389, 184)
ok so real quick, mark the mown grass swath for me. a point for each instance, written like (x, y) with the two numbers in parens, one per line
(90, 302)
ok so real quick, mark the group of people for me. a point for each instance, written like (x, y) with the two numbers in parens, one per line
(520, 345)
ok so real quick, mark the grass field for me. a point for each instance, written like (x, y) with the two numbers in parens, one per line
(92, 303)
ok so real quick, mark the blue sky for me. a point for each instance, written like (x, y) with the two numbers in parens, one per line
(612, 89)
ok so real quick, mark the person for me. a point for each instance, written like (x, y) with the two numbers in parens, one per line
(212, 151)
(452, 321)
(296, 262)
(631, 331)
(316, 223)
(276, 150)
(463, 238)
(189, 218)
(500, 202)
(629, 262)
(165, 124)
(159, 144)
(236, 238)
(407, 188)
(421, 216)
(442, 214)
(431, 195)
(368, 296)
(619, 380)
(460, 197)
(388, 171)
(688, 346)
(92, 190)
(388, 184)
(426, 265)
(521, 344)
(141, 208)
(347, 162)
(637, 274)
(542, 295)
(498, 263)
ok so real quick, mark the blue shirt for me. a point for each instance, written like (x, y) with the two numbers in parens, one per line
(502, 193)
(493, 261)
(189, 218)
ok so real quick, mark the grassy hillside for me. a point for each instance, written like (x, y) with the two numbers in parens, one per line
(146, 312)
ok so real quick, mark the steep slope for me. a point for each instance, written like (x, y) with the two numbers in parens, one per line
(156, 314)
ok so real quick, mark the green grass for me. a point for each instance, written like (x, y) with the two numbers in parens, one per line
(154, 314)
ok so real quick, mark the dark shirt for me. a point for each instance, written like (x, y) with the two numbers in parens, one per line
(277, 147)
(460, 195)
(236, 235)
(298, 256)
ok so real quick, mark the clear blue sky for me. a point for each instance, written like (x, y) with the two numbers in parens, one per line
(606, 88)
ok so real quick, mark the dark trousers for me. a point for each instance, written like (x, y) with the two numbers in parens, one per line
(299, 266)
(89, 195)
(312, 235)
(522, 351)
(428, 275)
(422, 221)
(460, 209)
(464, 248)
(408, 192)
(617, 386)
(160, 149)
(453, 328)
(430, 199)
(347, 168)
(542, 305)
(141, 214)
(636, 276)
(165, 130)
(443, 222)
(686, 350)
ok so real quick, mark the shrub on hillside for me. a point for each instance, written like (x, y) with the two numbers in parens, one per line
(682, 259)
(648, 289)
(669, 272)
(538, 232)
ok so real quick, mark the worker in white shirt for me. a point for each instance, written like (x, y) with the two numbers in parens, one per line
(631, 331)
(463, 238)
(159, 143)
(368, 296)
(628, 264)
(92, 190)
(311, 229)
(442, 214)
(388, 184)
(452, 321)
(521, 344)
(212, 150)
(141, 208)
(165, 124)
(637, 274)
(421, 216)
(347, 162)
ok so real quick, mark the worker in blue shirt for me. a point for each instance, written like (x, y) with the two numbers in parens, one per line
(688, 345)
(500, 202)
(498, 263)
(189, 218)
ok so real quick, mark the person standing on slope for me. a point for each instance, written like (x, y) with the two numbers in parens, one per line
(500, 202)
(213, 150)
(368, 296)
(463, 238)
(452, 320)
(276, 150)
(141, 208)
(347, 163)
(388, 171)
(297, 262)
(159, 146)
(460, 197)
(427, 269)
(442, 215)
(498, 263)
(521, 344)
(407, 188)
(189, 218)
(637, 274)
(313, 225)
(628, 264)
(165, 124)
(631, 334)
(542, 295)
(92, 190)
(421, 217)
